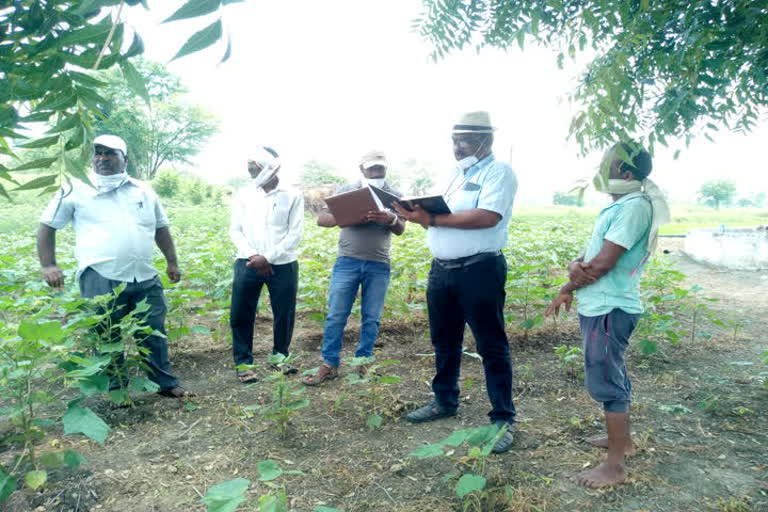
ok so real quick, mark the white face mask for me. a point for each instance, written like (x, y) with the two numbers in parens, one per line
(106, 183)
(264, 176)
(466, 162)
(376, 182)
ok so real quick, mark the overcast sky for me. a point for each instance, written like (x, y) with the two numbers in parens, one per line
(330, 80)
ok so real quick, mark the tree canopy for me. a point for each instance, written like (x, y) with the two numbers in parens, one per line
(715, 193)
(660, 68)
(171, 131)
(49, 50)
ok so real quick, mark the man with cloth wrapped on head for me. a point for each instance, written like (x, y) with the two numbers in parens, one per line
(466, 281)
(266, 226)
(606, 280)
(117, 225)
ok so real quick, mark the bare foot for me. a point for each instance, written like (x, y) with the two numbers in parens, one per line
(603, 475)
(602, 442)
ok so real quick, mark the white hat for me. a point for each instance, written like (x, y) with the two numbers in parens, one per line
(373, 158)
(112, 142)
(474, 122)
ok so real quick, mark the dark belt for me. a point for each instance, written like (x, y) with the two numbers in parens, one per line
(466, 261)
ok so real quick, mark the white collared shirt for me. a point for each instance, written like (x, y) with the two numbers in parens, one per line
(114, 231)
(269, 224)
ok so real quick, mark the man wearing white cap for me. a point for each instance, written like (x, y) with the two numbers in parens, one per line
(116, 225)
(362, 263)
(266, 226)
(606, 280)
(466, 281)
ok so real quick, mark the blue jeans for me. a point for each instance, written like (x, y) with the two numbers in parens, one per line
(348, 275)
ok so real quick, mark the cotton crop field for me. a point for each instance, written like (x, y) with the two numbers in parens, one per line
(696, 360)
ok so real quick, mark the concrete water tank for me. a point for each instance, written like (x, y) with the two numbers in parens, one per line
(735, 248)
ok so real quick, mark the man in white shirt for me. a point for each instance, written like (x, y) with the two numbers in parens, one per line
(116, 225)
(266, 225)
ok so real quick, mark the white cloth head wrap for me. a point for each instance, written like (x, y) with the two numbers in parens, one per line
(269, 166)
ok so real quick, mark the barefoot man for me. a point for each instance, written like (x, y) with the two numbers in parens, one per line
(606, 280)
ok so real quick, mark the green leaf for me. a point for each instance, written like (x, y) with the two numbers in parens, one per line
(321, 508)
(226, 496)
(73, 459)
(425, 452)
(134, 80)
(469, 483)
(82, 420)
(35, 479)
(36, 164)
(88, 34)
(42, 181)
(478, 436)
(389, 379)
(456, 438)
(40, 143)
(136, 48)
(374, 421)
(227, 52)
(268, 470)
(194, 9)
(200, 329)
(200, 40)
(143, 384)
(85, 79)
(7, 485)
(47, 331)
(52, 460)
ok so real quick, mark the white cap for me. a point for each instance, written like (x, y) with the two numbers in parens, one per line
(373, 158)
(112, 142)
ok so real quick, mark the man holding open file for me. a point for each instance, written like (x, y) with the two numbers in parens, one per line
(363, 262)
(466, 281)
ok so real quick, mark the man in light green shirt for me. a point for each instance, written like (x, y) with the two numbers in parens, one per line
(606, 281)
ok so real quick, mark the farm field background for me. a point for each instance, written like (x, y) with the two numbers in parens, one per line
(696, 361)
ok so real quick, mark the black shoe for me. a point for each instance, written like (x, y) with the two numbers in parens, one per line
(505, 441)
(430, 412)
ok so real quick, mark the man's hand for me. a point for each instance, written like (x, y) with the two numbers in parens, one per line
(172, 270)
(418, 215)
(381, 217)
(579, 273)
(261, 265)
(53, 276)
(564, 298)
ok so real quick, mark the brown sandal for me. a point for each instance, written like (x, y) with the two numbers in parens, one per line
(247, 376)
(324, 373)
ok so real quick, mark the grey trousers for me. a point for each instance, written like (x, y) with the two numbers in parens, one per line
(605, 339)
(93, 284)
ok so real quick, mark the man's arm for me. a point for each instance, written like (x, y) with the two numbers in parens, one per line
(46, 251)
(595, 268)
(387, 218)
(476, 218)
(326, 219)
(164, 241)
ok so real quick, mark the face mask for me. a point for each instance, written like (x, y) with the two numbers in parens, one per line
(106, 183)
(376, 182)
(264, 176)
(467, 162)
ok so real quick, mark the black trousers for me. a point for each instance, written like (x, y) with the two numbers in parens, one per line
(158, 364)
(472, 295)
(246, 289)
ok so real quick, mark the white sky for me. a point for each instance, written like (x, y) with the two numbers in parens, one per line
(330, 80)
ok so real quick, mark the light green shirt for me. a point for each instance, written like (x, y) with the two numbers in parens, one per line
(625, 222)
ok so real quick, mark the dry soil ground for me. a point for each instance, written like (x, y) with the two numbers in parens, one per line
(699, 419)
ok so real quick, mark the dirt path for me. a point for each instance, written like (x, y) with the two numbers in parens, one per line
(699, 418)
